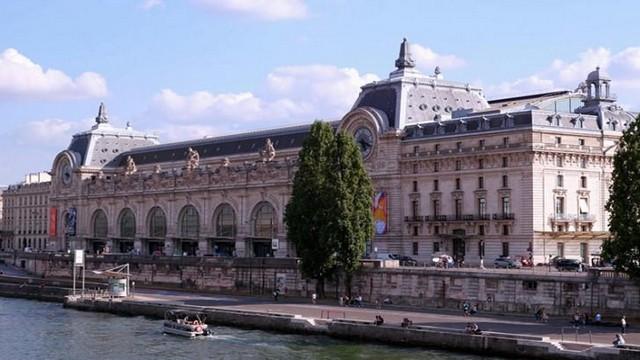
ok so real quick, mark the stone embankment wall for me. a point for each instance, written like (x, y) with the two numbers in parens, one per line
(502, 291)
(518, 346)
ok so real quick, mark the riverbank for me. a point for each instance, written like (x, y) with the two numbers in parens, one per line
(338, 325)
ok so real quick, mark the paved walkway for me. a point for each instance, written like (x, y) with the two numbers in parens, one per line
(513, 324)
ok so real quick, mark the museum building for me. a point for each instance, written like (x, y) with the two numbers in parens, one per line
(453, 174)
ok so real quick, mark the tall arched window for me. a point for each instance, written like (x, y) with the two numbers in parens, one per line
(189, 222)
(157, 223)
(99, 224)
(127, 224)
(225, 220)
(264, 221)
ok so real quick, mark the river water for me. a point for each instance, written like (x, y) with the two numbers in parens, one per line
(39, 330)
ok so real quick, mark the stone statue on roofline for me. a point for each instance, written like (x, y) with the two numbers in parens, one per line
(130, 166)
(268, 153)
(157, 169)
(226, 162)
(193, 159)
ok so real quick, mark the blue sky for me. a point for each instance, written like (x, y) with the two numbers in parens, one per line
(191, 68)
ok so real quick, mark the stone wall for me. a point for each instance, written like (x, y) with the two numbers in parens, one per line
(501, 291)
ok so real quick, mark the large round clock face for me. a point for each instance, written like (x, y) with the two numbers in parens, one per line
(365, 140)
(66, 173)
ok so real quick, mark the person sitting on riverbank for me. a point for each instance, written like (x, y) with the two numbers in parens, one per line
(379, 320)
(618, 341)
(406, 323)
(473, 329)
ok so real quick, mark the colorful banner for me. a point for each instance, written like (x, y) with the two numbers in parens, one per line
(53, 222)
(70, 222)
(380, 212)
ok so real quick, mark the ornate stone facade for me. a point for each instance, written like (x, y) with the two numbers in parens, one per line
(453, 173)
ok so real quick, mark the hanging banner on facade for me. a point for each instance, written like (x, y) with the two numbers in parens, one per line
(70, 222)
(380, 212)
(53, 221)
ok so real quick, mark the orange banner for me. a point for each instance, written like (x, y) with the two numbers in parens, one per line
(53, 221)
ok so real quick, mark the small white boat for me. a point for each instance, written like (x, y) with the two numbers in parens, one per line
(184, 323)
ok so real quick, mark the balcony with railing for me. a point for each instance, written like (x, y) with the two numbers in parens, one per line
(504, 216)
(564, 218)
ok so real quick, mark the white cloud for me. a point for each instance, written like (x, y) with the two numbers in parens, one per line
(293, 94)
(623, 67)
(271, 10)
(22, 78)
(52, 133)
(150, 4)
(428, 59)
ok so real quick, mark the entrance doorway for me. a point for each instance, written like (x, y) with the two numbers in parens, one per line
(262, 249)
(188, 247)
(459, 246)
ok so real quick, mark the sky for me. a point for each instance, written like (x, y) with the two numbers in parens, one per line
(185, 69)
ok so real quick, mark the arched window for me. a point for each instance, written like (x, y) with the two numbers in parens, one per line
(264, 221)
(99, 224)
(189, 222)
(225, 220)
(127, 224)
(157, 223)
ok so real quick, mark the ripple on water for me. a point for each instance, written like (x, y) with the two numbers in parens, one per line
(40, 330)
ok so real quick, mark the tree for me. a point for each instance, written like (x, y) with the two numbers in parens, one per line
(624, 205)
(351, 194)
(307, 212)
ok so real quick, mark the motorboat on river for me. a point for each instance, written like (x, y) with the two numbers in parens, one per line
(185, 323)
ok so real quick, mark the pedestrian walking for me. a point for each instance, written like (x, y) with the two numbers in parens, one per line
(313, 298)
(623, 324)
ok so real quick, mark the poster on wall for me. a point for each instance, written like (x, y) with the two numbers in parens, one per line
(380, 212)
(281, 283)
(53, 221)
(70, 222)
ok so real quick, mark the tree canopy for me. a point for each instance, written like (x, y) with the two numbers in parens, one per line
(624, 205)
(329, 214)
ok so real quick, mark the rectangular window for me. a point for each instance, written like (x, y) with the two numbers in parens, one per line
(436, 247)
(414, 208)
(505, 229)
(561, 249)
(457, 183)
(480, 163)
(482, 207)
(415, 248)
(436, 184)
(415, 186)
(415, 168)
(436, 231)
(436, 207)
(583, 163)
(436, 166)
(505, 249)
(581, 142)
(558, 140)
(559, 206)
(436, 148)
(505, 141)
(505, 181)
(458, 165)
(505, 161)
(560, 181)
(481, 232)
(529, 284)
(559, 161)
(459, 146)
(458, 207)
(481, 143)
(583, 206)
(480, 182)
(583, 181)
(415, 231)
(506, 205)
(416, 149)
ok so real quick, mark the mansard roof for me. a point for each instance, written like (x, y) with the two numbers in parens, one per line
(222, 146)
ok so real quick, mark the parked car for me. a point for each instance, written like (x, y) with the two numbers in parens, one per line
(442, 260)
(506, 263)
(385, 256)
(568, 265)
(407, 261)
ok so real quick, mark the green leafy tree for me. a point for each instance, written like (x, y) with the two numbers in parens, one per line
(307, 212)
(624, 205)
(351, 191)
